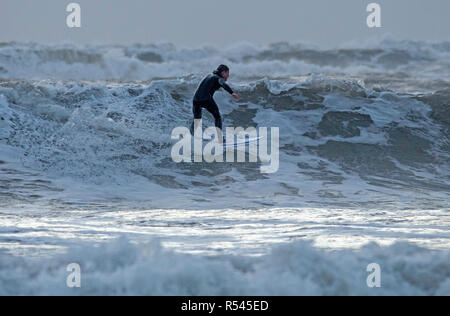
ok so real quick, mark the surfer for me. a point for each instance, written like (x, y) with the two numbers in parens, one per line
(203, 97)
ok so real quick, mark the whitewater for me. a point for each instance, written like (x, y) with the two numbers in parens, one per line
(86, 174)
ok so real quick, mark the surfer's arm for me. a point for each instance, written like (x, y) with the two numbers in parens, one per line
(225, 86)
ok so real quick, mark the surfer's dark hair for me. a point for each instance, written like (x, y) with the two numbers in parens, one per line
(221, 68)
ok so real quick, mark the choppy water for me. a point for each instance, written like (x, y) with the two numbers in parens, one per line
(364, 157)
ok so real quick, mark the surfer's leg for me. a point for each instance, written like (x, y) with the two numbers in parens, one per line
(214, 110)
(197, 110)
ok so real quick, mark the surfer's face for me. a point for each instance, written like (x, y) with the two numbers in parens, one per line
(225, 75)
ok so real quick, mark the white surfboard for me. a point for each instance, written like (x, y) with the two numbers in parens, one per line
(241, 142)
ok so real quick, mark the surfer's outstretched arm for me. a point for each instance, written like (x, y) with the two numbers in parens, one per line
(224, 85)
(227, 88)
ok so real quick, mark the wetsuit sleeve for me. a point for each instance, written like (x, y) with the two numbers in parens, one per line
(225, 86)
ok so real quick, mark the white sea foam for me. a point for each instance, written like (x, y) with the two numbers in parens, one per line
(123, 268)
(145, 62)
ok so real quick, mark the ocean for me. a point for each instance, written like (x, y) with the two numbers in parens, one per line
(86, 173)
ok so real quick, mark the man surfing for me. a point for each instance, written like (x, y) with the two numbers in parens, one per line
(203, 98)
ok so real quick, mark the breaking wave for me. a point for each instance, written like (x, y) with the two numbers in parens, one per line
(145, 62)
(123, 268)
(331, 130)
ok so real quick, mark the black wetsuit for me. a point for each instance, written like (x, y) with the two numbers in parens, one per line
(204, 97)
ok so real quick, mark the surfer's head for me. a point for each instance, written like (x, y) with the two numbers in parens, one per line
(223, 71)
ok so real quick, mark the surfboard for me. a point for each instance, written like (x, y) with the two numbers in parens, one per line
(241, 142)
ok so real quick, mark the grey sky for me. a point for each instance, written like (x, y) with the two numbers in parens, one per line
(196, 22)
